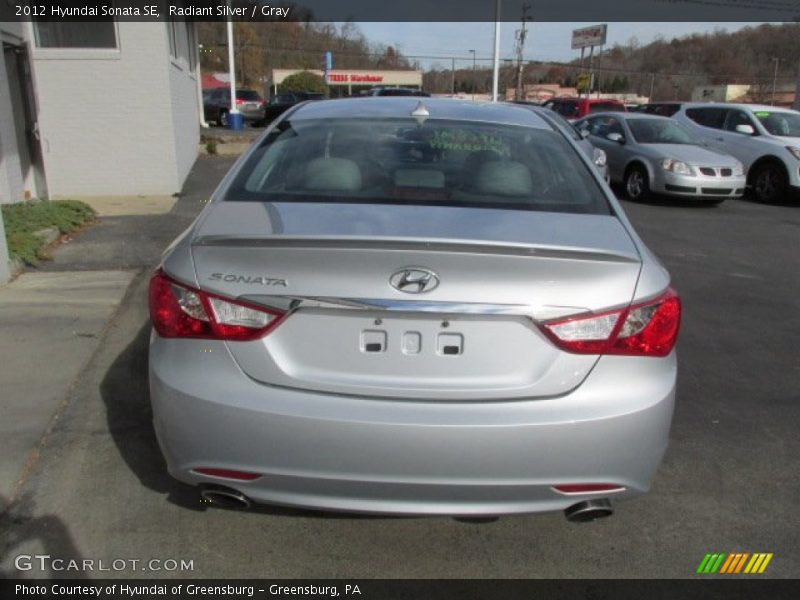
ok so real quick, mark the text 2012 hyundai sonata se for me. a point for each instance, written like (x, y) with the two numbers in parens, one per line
(398, 305)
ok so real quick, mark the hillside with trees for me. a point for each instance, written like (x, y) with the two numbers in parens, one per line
(673, 67)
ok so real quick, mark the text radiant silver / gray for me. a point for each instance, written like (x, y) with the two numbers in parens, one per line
(445, 313)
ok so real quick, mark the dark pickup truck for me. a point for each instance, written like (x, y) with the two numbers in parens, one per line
(283, 101)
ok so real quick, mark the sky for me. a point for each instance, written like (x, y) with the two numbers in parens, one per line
(545, 41)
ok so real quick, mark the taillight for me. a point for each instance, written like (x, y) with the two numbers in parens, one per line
(178, 311)
(240, 101)
(646, 329)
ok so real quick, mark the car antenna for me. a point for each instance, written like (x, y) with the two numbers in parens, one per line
(420, 113)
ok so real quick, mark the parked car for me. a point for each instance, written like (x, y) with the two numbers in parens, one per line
(573, 109)
(596, 155)
(217, 105)
(396, 91)
(652, 154)
(283, 101)
(396, 307)
(766, 139)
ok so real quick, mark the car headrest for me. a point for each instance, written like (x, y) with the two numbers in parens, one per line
(333, 175)
(504, 178)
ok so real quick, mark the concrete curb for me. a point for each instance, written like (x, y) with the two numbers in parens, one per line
(233, 149)
(16, 266)
(49, 235)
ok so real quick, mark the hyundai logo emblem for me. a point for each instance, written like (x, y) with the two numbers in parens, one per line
(414, 280)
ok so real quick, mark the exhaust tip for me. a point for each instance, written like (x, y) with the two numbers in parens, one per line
(589, 510)
(223, 497)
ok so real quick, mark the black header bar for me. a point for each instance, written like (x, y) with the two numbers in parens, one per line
(588, 11)
(709, 588)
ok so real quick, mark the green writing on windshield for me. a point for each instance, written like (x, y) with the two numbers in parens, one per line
(469, 141)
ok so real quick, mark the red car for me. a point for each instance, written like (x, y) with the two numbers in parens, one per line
(577, 108)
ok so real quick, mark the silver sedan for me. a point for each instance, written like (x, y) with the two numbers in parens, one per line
(414, 306)
(649, 154)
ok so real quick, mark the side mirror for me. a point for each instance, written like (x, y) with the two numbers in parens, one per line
(616, 137)
(599, 157)
(745, 129)
(584, 133)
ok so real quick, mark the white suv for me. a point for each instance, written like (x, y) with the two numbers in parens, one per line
(766, 139)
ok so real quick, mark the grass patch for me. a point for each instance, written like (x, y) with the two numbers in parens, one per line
(23, 219)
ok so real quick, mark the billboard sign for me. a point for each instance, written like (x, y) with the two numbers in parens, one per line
(589, 36)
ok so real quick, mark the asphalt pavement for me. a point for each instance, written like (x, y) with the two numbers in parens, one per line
(729, 482)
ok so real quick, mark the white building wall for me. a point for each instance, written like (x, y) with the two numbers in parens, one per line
(11, 181)
(185, 115)
(106, 116)
(11, 186)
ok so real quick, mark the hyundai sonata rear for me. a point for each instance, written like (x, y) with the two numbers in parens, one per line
(412, 306)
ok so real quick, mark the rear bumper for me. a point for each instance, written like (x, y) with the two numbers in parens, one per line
(408, 457)
(251, 115)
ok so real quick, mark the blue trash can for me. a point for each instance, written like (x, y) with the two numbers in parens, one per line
(235, 121)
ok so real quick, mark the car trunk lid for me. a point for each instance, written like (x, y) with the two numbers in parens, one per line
(471, 337)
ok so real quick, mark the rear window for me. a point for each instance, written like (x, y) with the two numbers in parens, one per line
(439, 162)
(247, 95)
(596, 107)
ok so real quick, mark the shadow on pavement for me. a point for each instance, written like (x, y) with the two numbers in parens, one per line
(20, 527)
(126, 395)
(670, 202)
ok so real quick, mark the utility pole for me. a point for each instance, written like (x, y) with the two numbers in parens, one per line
(775, 78)
(652, 85)
(452, 75)
(234, 118)
(521, 33)
(473, 75)
(496, 70)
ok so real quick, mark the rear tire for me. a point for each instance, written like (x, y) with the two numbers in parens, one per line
(636, 184)
(770, 183)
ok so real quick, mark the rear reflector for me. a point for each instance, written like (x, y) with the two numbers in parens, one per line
(227, 474)
(648, 328)
(178, 311)
(587, 488)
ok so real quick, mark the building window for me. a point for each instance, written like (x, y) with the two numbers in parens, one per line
(75, 34)
(182, 41)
